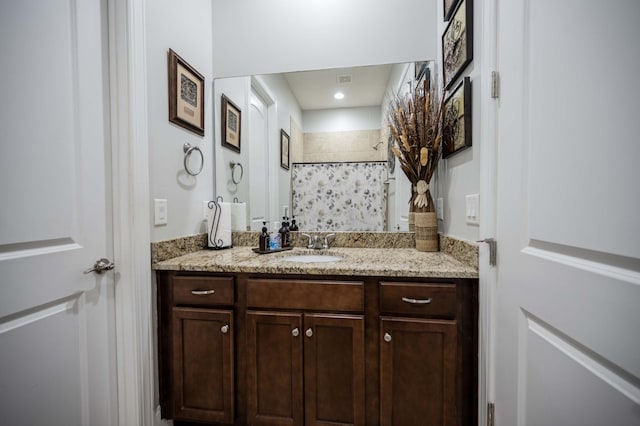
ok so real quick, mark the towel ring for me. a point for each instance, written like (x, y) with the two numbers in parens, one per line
(188, 150)
(233, 165)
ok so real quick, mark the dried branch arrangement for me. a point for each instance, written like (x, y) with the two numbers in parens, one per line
(416, 124)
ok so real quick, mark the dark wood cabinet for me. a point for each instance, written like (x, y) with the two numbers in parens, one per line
(334, 373)
(274, 368)
(305, 367)
(331, 372)
(203, 364)
(417, 372)
(276, 350)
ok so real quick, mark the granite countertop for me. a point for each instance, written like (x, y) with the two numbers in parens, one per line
(391, 262)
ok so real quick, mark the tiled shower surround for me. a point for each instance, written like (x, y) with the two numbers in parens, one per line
(340, 196)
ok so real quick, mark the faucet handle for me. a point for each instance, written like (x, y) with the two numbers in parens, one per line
(326, 240)
(310, 241)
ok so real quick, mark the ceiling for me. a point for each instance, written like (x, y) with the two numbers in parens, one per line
(315, 89)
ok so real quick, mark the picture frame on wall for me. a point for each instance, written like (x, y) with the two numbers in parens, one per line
(457, 43)
(186, 94)
(231, 124)
(457, 112)
(448, 7)
(284, 149)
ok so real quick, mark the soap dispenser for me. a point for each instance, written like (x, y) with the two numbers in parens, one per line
(293, 226)
(284, 233)
(274, 241)
(264, 238)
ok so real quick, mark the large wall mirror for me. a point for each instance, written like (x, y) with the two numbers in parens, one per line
(341, 175)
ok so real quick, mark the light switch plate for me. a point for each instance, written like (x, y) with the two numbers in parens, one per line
(160, 214)
(473, 209)
(440, 208)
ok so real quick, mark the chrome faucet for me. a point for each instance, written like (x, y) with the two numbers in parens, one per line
(316, 242)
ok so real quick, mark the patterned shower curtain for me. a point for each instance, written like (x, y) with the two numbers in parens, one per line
(340, 196)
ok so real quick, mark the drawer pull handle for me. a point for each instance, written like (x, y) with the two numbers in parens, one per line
(295, 332)
(387, 337)
(224, 329)
(202, 292)
(309, 332)
(416, 301)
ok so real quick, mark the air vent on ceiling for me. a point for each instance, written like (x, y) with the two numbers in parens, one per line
(344, 79)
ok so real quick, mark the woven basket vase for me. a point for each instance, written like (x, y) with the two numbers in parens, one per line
(426, 229)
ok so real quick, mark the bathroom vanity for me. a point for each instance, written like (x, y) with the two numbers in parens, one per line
(382, 336)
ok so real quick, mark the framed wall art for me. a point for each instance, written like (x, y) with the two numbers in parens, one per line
(457, 43)
(457, 116)
(186, 95)
(231, 124)
(448, 6)
(284, 149)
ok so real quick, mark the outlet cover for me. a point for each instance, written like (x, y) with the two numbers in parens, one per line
(160, 215)
(205, 210)
(440, 208)
(473, 209)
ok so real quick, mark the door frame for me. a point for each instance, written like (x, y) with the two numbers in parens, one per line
(487, 274)
(262, 90)
(130, 191)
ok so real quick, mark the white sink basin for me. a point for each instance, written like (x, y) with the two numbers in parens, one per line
(312, 258)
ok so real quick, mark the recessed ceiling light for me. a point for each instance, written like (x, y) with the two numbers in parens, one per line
(339, 95)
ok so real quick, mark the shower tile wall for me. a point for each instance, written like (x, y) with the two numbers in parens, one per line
(340, 196)
(356, 145)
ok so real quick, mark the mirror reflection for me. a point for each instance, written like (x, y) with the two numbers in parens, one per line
(340, 174)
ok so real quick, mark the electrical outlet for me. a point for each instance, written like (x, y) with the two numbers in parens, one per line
(160, 214)
(472, 203)
(205, 210)
(440, 208)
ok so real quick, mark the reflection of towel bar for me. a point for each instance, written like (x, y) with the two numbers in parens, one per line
(188, 150)
(233, 165)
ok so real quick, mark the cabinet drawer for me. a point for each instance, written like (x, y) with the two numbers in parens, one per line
(418, 299)
(203, 291)
(306, 294)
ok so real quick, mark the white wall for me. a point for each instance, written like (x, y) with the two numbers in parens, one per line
(341, 119)
(358, 33)
(237, 89)
(186, 30)
(399, 187)
(259, 37)
(287, 108)
(459, 175)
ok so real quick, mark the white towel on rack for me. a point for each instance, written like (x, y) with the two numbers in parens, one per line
(220, 236)
(239, 216)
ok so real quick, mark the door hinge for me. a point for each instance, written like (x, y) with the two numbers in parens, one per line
(493, 249)
(495, 85)
(490, 413)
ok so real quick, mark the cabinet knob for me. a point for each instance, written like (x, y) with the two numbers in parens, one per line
(387, 337)
(224, 329)
(295, 332)
(309, 332)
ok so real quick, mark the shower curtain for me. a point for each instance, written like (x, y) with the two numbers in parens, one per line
(348, 196)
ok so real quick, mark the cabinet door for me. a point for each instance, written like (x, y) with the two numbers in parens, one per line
(203, 385)
(274, 368)
(334, 370)
(418, 372)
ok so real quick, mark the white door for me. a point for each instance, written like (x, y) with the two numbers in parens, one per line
(258, 162)
(57, 346)
(567, 342)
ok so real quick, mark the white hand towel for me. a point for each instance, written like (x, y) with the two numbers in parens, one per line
(219, 225)
(239, 216)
